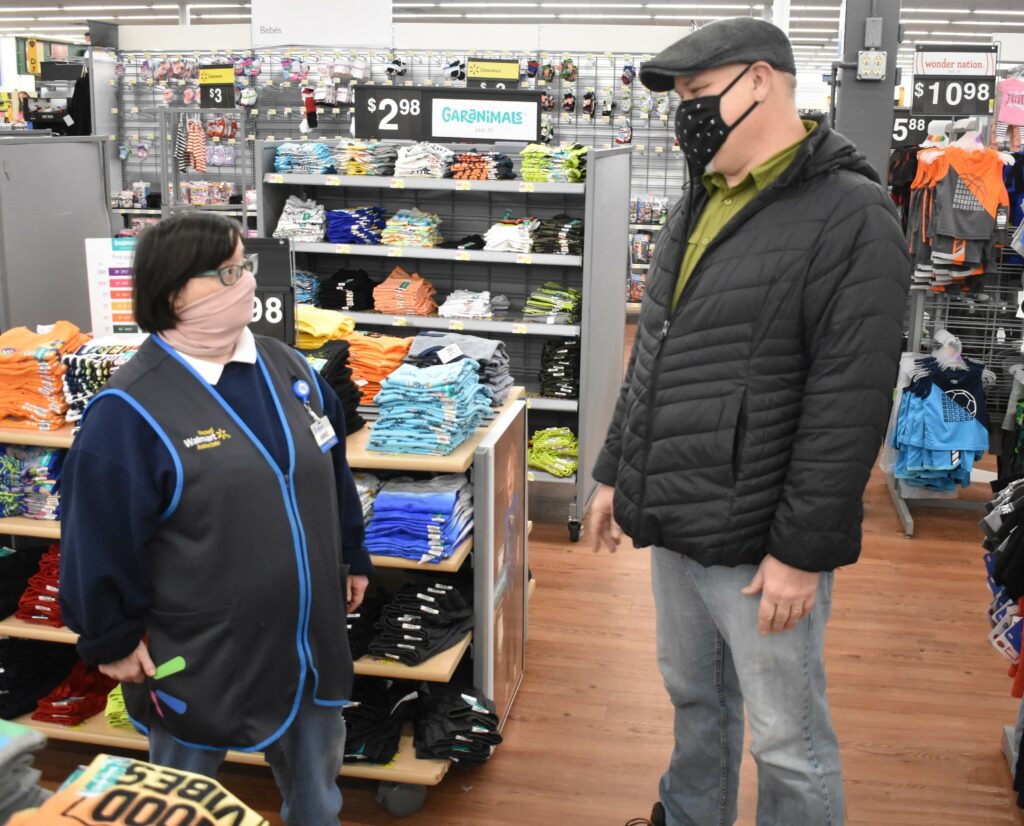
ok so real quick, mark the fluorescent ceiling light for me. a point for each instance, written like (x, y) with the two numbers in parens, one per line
(428, 14)
(702, 6)
(605, 16)
(524, 16)
(221, 16)
(487, 5)
(935, 11)
(83, 8)
(795, 30)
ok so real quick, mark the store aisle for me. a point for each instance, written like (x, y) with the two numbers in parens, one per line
(919, 699)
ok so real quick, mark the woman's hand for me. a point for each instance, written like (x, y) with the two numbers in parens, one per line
(357, 586)
(132, 669)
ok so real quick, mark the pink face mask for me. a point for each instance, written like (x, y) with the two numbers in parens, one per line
(209, 328)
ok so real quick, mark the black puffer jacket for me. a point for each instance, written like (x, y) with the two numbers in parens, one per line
(752, 415)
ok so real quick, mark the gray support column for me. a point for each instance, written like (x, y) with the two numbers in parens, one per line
(864, 110)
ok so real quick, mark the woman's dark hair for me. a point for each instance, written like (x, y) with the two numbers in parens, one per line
(168, 254)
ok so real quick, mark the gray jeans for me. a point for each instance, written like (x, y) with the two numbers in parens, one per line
(305, 762)
(713, 661)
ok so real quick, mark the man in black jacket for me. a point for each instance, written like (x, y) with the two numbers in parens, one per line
(755, 403)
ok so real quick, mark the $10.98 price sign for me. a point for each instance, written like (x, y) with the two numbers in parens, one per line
(389, 112)
(952, 96)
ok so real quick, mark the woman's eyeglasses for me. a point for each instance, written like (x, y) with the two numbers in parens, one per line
(232, 272)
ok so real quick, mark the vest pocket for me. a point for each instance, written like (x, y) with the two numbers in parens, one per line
(198, 700)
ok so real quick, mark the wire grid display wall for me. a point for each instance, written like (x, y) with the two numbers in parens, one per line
(987, 325)
(656, 168)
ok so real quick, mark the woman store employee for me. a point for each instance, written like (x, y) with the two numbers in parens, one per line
(212, 532)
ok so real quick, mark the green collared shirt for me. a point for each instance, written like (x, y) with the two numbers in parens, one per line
(724, 202)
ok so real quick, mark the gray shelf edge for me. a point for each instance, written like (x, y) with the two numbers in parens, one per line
(651, 227)
(554, 405)
(436, 254)
(459, 325)
(413, 182)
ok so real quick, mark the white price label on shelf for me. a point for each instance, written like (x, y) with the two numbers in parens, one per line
(134, 110)
(287, 110)
(530, 477)
(342, 249)
(275, 179)
(319, 110)
(232, 141)
(286, 84)
(255, 112)
(659, 149)
(271, 112)
(389, 83)
(520, 329)
(640, 147)
(542, 83)
(395, 252)
(399, 321)
(524, 259)
(464, 186)
(457, 326)
(526, 186)
(304, 138)
(181, 81)
(215, 139)
(251, 138)
(551, 319)
(408, 83)
(113, 111)
(271, 138)
(398, 183)
(463, 255)
(332, 180)
(270, 83)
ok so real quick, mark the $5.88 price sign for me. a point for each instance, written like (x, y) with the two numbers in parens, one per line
(907, 129)
(394, 113)
(953, 96)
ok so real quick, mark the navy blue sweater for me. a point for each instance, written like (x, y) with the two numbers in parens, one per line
(119, 477)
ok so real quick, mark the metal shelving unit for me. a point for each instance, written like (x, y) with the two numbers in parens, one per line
(471, 207)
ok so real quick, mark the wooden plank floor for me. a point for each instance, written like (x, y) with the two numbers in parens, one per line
(919, 697)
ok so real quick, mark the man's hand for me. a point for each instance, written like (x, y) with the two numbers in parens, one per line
(357, 586)
(132, 669)
(605, 529)
(787, 595)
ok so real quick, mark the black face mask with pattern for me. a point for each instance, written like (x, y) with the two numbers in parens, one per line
(699, 125)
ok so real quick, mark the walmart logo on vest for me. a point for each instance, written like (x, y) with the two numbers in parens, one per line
(206, 439)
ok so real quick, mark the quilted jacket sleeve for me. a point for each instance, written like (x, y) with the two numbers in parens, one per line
(854, 300)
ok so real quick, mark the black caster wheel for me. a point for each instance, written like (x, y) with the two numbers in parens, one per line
(575, 530)
(401, 799)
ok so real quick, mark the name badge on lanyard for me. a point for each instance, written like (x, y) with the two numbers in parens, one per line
(323, 432)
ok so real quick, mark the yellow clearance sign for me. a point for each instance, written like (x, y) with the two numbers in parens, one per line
(217, 76)
(33, 56)
(480, 69)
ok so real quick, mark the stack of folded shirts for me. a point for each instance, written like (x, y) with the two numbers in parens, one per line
(38, 604)
(19, 782)
(361, 225)
(331, 362)
(16, 566)
(404, 294)
(82, 695)
(301, 220)
(115, 712)
(91, 366)
(368, 486)
(307, 157)
(423, 160)
(469, 242)
(555, 451)
(30, 481)
(430, 410)
(317, 327)
(425, 521)
(554, 164)
(482, 166)
(32, 375)
(555, 303)
(362, 626)
(491, 354)
(350, 290)
(421, 621)
(365, 158)
(458, 724)
(373, 357)
(412, 228)
(512, 235)
(374, 719)
(29, 670)
(560, 235)
(467, 304)
(560, 369)
(307, 287)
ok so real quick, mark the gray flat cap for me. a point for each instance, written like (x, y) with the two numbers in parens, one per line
(735, 40)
